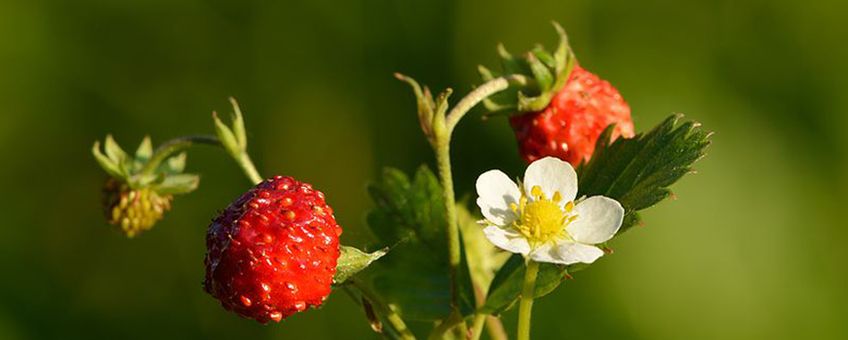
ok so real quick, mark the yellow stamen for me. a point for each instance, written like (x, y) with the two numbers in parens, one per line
(542, 220)
(536, 191)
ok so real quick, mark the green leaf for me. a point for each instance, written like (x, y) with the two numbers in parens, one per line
(177, 184)
(352, 261)
(507, 284)
(410, 214)
(637, 172)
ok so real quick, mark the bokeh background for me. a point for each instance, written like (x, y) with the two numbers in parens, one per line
(752, 248)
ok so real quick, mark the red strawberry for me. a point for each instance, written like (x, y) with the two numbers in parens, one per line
(273, 251)
(570, 125)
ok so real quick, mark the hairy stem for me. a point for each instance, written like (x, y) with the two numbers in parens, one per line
(525, 307)
(479, 94)
(442, 149)
(442, 130)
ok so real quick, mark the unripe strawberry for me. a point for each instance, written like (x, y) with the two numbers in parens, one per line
(273, 251)
(132, 210)
(569, 126)
(140, 188)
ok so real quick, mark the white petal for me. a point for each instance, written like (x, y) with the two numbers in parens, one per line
(598, 219)
(570, 253)
(509, 240)
(546, 253)
(552, 175)
(496, 192)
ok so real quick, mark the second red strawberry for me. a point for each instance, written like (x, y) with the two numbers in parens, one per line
(569, 126)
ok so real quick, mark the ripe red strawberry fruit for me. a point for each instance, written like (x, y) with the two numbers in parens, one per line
(273, 251)
(570, 125)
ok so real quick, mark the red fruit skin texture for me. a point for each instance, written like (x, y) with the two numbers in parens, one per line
(571, 124)
(273, 251)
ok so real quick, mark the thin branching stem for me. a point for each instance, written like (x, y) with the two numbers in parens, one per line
(443, 129)
(173, 146)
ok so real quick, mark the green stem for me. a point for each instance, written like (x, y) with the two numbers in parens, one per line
(525, 307)
(391, 316)
(247, 166)
(479, 94)
(442, 149)
(173, 146)
(442, 130)
(178, 144)
(477, 328)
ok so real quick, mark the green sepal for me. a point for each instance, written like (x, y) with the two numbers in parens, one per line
(636, 172)
(144, 152)
(107, 164)
(499, 102)
(118, 156)
(114, 151)
(545, 57)
(166, 179)
(510, 64)
(541, 72)
(177, 184)
(226, 136)
(238, 125)
(174, 164)
(549, 72)
(427, 107)
(142, 180)
(352, 261)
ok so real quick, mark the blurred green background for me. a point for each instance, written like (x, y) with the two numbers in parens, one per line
(752, 247)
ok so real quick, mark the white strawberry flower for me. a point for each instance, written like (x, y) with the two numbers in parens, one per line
(541, 218)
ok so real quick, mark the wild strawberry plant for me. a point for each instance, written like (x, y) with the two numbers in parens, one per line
(275, 251)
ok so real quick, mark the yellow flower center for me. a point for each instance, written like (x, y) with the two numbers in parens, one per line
(542, 220)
